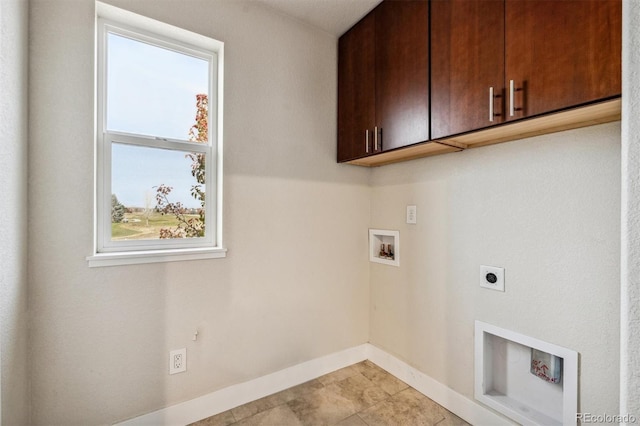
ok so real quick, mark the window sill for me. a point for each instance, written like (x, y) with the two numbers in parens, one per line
(156, 256)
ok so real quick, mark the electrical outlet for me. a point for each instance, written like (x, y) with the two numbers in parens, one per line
(178, 361)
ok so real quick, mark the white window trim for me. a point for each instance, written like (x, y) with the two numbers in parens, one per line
(106, 253)
(155, 256)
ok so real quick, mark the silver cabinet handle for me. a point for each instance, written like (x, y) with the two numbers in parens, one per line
(366, 141)
(512, 108)
(491, 104)
(375, 139)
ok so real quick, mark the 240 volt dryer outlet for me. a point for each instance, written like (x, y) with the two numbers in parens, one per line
(492, 277)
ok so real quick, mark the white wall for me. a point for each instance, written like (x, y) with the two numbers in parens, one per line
(295, 284)
(630, 300)
(546, 209)
(14, 377)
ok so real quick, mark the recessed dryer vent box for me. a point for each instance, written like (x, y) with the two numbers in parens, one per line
(384, 246)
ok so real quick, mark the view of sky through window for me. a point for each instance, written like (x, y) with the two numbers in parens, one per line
(151, 91)
(137, 171)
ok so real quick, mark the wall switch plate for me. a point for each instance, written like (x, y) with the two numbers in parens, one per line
(412, 213)
(178, 361)
(492, 277)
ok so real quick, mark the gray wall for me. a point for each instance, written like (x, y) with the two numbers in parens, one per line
(295, 284)
(14, 377)
(630, 266)
(547, 209)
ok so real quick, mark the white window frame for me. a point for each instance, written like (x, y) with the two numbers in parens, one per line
(110, 19)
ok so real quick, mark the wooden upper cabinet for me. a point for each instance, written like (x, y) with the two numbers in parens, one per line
(562, 53)
(356, 90)
(383, 80)
(402, 73)
(442, 71)
(539, 56)
(467, 60)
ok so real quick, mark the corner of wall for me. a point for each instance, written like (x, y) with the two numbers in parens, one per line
(14, 372)
(630, 206)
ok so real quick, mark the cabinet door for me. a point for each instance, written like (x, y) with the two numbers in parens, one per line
(562, 53)
(356, 90)
(402, 73)
(467, 59)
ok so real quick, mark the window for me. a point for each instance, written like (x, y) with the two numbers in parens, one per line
(158, 142)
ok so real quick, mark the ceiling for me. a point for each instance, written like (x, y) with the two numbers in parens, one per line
(332, 16)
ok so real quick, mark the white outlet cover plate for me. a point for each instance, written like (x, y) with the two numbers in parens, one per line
(498, 272)
(179, 365)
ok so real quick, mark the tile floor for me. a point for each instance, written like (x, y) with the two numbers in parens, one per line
(359, 395)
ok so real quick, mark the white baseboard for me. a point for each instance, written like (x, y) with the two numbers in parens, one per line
(232, 396)
(458, 404)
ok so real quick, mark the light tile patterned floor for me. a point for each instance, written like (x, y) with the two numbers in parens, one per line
(359, 395)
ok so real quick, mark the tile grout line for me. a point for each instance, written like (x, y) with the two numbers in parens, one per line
(374, 376)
